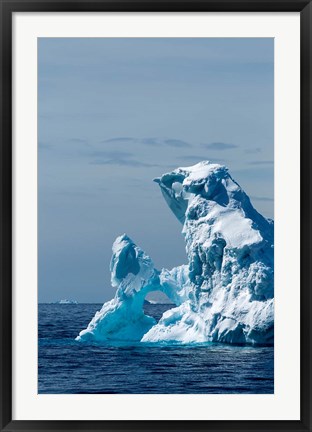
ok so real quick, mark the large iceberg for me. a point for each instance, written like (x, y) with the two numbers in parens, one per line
(224, 294)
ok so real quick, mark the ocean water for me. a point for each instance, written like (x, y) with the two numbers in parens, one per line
(67, 366)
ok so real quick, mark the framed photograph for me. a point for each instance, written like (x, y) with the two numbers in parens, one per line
(155, 215)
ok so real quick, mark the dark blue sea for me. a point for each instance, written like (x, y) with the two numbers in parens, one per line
(67, 366)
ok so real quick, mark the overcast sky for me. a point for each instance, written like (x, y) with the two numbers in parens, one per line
(115, 113)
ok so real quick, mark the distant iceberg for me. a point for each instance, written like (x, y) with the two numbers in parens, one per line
(224, 294)
(65, 301)
(157, 297)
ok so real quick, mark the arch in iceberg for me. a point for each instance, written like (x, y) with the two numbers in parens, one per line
(134, 276)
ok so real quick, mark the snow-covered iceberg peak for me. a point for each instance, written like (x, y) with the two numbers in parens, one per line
(218, 221)
(208, 188)
(226, 291)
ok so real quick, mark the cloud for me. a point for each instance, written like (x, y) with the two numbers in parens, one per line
(267, 162)
(118, 139)
(151, 141)
(219, 146)
(119, 158)
(253, 150)
(98, 156)
(114, 154)
(78, 141)
(255, 198)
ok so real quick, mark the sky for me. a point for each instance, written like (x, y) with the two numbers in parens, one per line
(114, 113)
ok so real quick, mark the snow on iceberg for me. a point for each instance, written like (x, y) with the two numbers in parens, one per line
(224, 294)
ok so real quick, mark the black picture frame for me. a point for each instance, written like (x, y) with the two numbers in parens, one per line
(8, 7)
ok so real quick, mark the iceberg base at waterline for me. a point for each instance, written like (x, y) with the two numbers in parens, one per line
(226, 291)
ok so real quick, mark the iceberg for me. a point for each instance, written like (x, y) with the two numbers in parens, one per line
(67, 302)
(226, 291)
